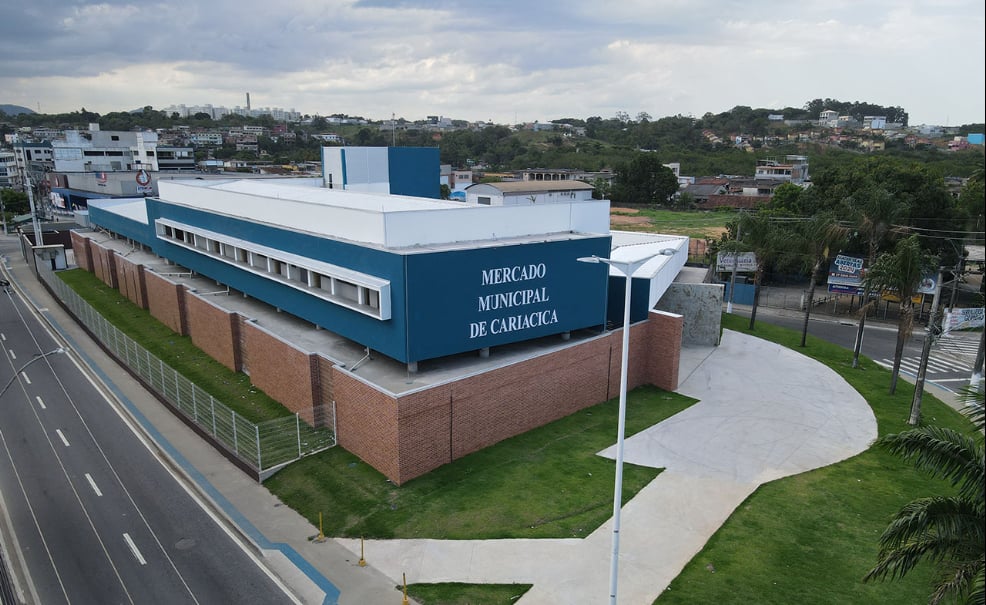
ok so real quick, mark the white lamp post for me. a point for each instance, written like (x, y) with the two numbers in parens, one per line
(627, 268)
(36, 357)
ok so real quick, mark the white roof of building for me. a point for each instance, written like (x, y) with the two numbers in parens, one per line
(389, 221)
(133, 208)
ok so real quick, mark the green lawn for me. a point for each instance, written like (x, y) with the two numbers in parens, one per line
(546, 483)
(232, 388)
(810, 538)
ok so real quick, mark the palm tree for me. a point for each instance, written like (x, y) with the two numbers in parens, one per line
(767, 239)
(947, 530)
(819, 234)
(900, 273)
(876, 210)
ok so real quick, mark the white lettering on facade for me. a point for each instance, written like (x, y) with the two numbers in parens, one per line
(504, 275)
(518, 298)
(499, 301)
(512, 323)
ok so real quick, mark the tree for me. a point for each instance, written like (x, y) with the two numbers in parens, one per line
(819, 235)
(875, 211)
(768, 240)
(15, 202)
(946, 530)
(899, 274)
(644, 180)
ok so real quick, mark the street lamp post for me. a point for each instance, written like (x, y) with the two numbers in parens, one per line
(627, 268)
(29, 362)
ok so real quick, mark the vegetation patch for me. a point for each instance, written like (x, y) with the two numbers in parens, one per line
(546, 483)
(232, 388)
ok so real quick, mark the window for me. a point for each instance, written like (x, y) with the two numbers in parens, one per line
(360, 292)
(484, 201)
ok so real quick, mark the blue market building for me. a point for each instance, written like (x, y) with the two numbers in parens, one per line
(412, 277)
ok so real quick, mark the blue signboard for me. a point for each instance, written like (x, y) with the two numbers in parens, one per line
(467, 300)
(846, 274)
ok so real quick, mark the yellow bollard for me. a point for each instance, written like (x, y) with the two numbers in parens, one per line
(321, 535)
(362, 561)
(404, 601)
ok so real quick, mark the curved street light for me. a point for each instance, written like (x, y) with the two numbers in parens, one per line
(36, 357)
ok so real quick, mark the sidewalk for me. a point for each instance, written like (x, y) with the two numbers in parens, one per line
(784, 300)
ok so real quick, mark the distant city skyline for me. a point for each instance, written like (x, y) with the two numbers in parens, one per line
(502, 61)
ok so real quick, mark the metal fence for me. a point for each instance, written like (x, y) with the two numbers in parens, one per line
(265, 446)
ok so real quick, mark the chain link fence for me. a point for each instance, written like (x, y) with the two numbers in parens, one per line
(264, 447)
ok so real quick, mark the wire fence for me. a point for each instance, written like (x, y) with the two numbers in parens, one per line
(265, 447)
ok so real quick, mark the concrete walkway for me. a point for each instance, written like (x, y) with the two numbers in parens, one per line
(765, 412)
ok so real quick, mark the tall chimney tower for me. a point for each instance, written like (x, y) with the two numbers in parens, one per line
(248, 101)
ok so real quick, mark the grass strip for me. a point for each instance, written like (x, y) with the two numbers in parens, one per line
(232, 388)
(546, 483)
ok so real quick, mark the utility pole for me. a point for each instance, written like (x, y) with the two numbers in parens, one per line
(38, 237)
(976, 380)
(732, 278)
(915, 416)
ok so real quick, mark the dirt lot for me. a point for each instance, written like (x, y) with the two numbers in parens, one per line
(630, 219)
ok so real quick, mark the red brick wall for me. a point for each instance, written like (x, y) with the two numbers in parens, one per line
(366, 424)
(437, 425)
(213, 330)
(130, 278)
(664, 337)
(277, 368)
(102, 264)
(80, 248)
(427, 431)
(166, 302)
(325, 394)
(493, 406)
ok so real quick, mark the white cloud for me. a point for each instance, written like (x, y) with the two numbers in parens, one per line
(500, 60)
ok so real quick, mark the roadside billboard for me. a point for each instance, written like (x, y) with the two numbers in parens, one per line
(745, 262)
(846, 274)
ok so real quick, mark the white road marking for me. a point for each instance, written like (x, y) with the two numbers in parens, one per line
(3, 336)
(133, 549)
(12, 354)
(92, 484)
(27, 379)
(41, 402)
(62, 437)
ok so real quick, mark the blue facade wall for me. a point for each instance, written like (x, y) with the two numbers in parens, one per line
(639, 299)
(471, 299)
(442, 302)
(121, 225)
(386, 336)
(415, 171)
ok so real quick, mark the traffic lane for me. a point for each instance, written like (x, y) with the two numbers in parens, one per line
(144, 571)
(57, 540)
(185, 549)
(59, 545)
(878, 340)
(172, 525)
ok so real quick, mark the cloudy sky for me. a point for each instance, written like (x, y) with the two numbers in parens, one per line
(501, 60)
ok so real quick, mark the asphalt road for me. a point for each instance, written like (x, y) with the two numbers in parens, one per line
(949, 365)
(89, 513)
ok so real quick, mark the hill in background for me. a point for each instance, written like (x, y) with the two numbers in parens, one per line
(13, 110)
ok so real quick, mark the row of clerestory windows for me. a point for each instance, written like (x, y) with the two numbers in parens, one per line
(360, 292)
